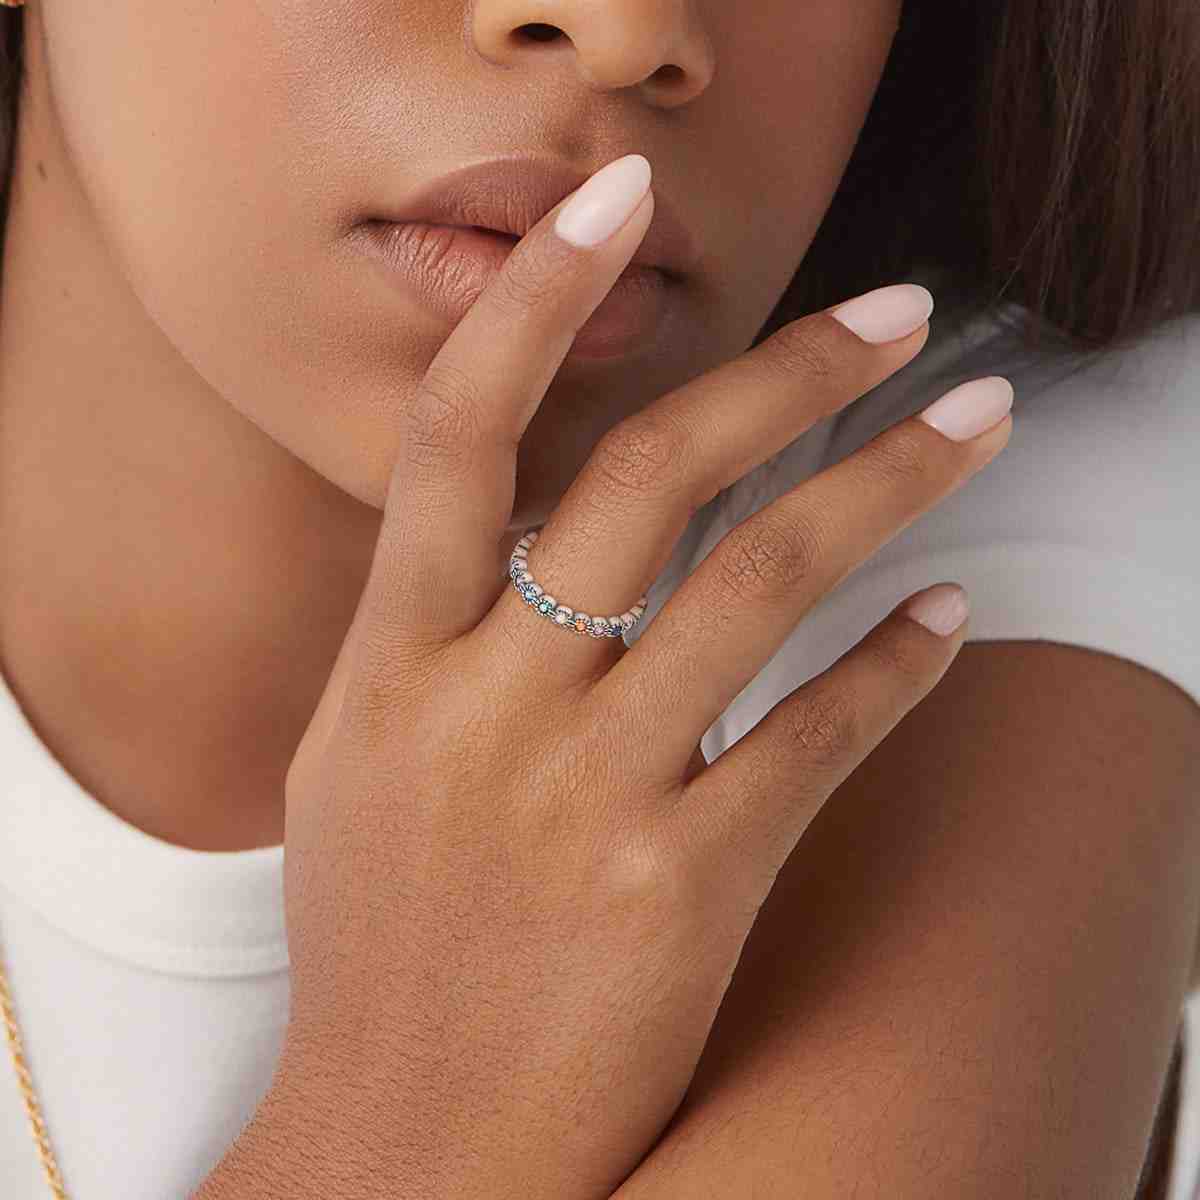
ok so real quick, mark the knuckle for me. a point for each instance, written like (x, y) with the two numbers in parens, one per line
(825, 725)
(376, 690)
(768, 557)
(444, 419)
(368, 715)
(524, 284)
(650, 453)
(581, 767)
(393, 673)
(799, 349)
(898, 457)
(653, 870)
(901, 657)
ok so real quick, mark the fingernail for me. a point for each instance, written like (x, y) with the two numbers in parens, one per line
(605, 202)
(969, 409)
(887, 313)
(941, 608)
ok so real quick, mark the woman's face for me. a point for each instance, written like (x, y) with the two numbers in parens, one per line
(228, 152)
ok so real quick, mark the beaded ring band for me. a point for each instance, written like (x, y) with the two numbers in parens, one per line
(560, 614)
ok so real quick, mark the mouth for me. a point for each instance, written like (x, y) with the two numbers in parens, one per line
(508, 196)
(449, 266)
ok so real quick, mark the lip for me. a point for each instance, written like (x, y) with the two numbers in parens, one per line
(449, 266)
(510, 195)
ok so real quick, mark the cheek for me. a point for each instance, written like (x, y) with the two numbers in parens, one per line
(214, 183)
(175, 124)
(802, 76)
(224, 150)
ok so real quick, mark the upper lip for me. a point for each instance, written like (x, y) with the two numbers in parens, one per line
(512, 194)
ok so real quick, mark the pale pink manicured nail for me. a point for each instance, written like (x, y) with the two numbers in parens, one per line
(969, 409)
(604, 202)
(887, 313)
(941, 608)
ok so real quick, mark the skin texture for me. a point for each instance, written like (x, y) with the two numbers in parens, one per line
(963, 983)
(560, 914)
(200, 385)
(156, 389)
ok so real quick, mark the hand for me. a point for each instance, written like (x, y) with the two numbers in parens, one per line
(515, 893)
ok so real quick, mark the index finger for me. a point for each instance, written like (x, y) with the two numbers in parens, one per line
(438, 565)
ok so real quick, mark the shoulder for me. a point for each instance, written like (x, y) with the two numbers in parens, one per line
(1005, 887)
(1082, 531)
(1102, 455)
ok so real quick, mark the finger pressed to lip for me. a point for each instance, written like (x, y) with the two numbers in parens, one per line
(450, 499)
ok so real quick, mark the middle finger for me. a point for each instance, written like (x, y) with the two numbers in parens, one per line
(649, 474)
(734, 611)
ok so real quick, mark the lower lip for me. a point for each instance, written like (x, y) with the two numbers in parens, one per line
(449, 265)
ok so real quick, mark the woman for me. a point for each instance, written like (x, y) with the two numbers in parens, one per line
(542, 928)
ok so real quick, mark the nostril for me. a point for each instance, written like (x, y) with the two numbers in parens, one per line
(538, 32)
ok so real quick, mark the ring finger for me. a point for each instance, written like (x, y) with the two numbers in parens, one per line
(648, 475)
(735, 610)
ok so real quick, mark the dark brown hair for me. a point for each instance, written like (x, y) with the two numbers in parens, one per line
(1039, 151)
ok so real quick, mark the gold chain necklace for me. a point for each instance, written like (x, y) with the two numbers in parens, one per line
(26, 1081)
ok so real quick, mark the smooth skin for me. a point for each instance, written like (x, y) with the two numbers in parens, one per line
(202, 380)
(966, 980)
(198, 431)
(511, 925)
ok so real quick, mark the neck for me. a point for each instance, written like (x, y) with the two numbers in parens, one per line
(175, 584)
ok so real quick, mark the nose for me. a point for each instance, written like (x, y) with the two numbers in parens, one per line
(659, 46)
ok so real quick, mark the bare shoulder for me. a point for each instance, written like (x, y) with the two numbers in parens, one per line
(974, 958)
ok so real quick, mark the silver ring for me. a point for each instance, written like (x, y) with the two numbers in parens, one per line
(568, 618)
